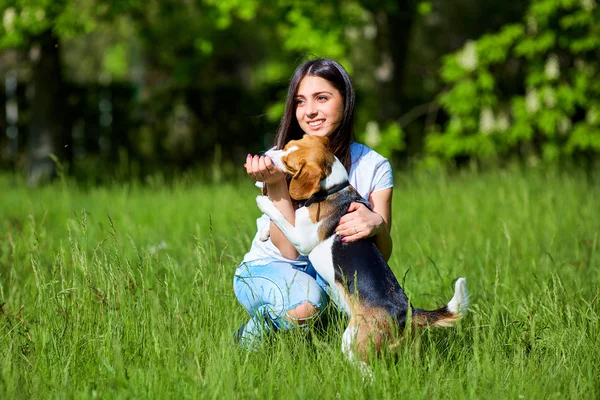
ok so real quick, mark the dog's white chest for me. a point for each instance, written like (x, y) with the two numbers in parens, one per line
(321, 258)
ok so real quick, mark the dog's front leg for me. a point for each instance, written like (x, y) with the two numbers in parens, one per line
(291, 233)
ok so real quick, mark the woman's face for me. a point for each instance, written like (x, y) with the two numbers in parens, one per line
(319, 106)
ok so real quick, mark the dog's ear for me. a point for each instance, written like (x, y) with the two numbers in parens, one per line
(305, 182)
(322, 139)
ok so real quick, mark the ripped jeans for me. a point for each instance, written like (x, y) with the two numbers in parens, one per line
(269, 291)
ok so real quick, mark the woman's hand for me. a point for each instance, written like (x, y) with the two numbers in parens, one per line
(359, 223)
(262, 169)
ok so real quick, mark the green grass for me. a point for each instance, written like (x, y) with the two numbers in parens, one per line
(126, 292)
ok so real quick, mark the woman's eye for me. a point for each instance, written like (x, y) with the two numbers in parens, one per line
(321, 98)
(299, 101)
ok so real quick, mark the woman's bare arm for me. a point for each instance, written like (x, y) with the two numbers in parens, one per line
(360, 222)
(261, 169)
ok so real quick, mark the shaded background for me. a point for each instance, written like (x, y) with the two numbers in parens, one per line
(122, 89)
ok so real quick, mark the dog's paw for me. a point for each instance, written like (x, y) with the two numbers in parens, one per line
(366, 373)
(264, 203)
(263, 234)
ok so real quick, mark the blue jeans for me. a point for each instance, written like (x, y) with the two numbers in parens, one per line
(269, 290)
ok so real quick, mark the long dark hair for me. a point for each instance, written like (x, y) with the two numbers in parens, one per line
(340, 139)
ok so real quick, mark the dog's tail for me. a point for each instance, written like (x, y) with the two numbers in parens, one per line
(446, 316)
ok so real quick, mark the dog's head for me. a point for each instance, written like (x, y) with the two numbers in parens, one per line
(308, 161)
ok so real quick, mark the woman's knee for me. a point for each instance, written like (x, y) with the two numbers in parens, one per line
(301, 313)
(281, 288)
(256, 292)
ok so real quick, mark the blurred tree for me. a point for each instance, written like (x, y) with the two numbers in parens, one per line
(442, 27)
(394, 21)
(38, 26)
(531, 90)
(171, 84)
(227, 62)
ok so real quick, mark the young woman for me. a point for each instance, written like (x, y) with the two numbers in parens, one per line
(279, 288)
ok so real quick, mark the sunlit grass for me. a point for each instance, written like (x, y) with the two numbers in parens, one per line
(126, 291)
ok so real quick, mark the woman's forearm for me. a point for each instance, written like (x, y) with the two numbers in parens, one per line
(383, 241)
(279, 195)
(382, 206)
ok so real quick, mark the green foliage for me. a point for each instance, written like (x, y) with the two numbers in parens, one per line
(424, 8)
(26, 19)
(116, 60)
(385, 141)
(533, 85)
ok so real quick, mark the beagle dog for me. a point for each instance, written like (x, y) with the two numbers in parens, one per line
(370, 294)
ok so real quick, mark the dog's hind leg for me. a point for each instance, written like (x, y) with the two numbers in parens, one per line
(349, 348)
(348, 342)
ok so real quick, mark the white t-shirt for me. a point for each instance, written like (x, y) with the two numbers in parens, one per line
(369, 172)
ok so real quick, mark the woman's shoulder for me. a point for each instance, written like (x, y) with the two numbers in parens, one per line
(370, 171)
(362, 153)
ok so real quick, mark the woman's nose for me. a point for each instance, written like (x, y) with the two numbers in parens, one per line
(311, 109)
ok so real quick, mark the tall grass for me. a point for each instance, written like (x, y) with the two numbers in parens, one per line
(126, 292)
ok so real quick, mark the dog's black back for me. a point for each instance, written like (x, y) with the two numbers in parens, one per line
(361, 267)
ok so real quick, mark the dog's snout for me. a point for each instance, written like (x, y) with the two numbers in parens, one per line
(275, 156)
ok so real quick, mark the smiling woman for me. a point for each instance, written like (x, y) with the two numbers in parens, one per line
(279, 288)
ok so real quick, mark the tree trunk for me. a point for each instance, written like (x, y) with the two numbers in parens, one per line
(394, 30)
(47, 124)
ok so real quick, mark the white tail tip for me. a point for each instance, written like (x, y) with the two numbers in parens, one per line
(460, 302)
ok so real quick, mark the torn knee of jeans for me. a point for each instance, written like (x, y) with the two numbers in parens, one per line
(302, 313)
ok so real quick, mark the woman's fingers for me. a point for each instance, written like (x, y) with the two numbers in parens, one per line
(357, 223)
(354, 238)
(252, 167)
(270, 166)
(260, 168)
(354, 233)
(261, 165)
(354, 206)
(348, 229)
(346, 219)
(353, 212)
(255, 161)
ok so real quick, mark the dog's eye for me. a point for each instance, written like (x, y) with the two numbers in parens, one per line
(288, 167)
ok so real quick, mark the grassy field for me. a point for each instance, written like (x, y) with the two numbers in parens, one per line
(126, 292)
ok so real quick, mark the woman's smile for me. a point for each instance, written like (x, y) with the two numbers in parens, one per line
(315, 124)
